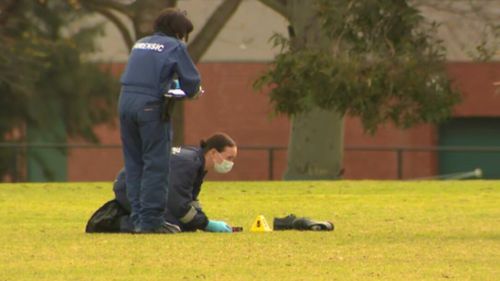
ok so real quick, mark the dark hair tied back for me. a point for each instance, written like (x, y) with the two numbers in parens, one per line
(219, 141)
(203, 144)
(173, 22)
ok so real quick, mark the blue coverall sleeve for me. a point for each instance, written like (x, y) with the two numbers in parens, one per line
(180, 197)
(187, 72)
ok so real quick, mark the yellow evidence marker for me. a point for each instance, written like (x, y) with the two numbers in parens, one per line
(260, 225)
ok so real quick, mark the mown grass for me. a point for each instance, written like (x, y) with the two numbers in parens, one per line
(384, 231)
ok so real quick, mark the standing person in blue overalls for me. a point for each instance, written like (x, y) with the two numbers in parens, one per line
(153, 64)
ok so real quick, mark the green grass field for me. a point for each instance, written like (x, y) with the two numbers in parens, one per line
(384, 231)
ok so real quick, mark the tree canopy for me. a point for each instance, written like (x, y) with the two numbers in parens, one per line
(383, 64)
(44, 76)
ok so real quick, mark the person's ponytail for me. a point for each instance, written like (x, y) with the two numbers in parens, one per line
(203, 144)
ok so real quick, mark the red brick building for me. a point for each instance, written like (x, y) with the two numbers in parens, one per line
(241, 52)
(232, 106)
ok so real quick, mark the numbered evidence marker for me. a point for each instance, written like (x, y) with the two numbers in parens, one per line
(260, 225)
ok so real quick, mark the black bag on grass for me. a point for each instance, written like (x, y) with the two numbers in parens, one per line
(107, 218)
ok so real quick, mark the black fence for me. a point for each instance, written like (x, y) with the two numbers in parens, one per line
(401, 151)
(16, 162)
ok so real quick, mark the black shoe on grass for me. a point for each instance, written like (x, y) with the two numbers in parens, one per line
(302, 223)
(284, 223)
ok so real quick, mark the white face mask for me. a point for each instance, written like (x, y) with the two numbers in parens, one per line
(223, 167)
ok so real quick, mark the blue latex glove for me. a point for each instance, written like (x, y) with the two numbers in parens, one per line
(175, 84)
(218, 226)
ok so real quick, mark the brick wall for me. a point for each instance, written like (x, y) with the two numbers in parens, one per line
(232, 106)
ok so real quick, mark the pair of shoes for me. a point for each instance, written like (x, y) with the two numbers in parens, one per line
(164, 228)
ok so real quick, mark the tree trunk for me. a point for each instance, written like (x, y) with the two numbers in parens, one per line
(203, 40)
(146, 13)
(315, 148)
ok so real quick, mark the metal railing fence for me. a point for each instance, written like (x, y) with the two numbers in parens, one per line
(399, 152)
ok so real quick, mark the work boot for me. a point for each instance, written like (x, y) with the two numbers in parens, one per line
(309, 224)
(164, 228)
(284, 223)
(292, 222)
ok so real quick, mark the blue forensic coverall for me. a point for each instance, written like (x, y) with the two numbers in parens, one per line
(185, 180)
(145, 136)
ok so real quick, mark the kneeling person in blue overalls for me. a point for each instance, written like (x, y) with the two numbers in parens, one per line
(189, 166)
(153, 64)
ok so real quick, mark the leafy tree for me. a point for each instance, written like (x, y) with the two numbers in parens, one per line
(376, 59)
(48, 90)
